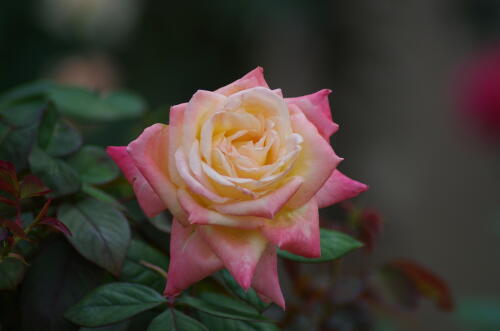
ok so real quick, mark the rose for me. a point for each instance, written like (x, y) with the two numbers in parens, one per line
(242, 170)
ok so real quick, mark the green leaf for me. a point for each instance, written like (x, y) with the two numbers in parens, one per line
(87, 105)
(223, 306)
(18, 130)
(100, 232)
(57, 278)
(55, 173)
(24, 91)
(334, 244)
(136, 272)
(249, 296)
(112, 303)
(216, 323)
(121, 326)
(161, 222)
(129, 104)
(94, 165)
(11, 273)
(99, 194)
(172, 319)
(22, 114)
(56, 136)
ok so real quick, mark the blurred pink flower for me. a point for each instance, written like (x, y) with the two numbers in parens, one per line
(93, 71)
(479, 92)
(242, 170)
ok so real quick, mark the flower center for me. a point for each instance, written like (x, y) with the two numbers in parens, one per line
(248, 143)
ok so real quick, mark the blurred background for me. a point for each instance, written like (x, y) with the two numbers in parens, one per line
(416, 91)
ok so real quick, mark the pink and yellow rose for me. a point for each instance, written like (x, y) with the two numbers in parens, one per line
(242, 170)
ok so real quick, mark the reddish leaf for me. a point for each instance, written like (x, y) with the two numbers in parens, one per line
(44, 210)
(18, 257)
(8, 178)
(427, 283)
(14, 228)
(56, 224)
(392, 289)
(8, 201)
(371, 227)
(32, 186)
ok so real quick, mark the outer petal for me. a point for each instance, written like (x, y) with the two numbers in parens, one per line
(199, 215)
(317, 110)
(337, 188)
(239, 250)
(252, 79)
(265, 280)
(315, 163)
(149, 152)
(149, 201)
(296, 231)
(266, 206)
(191, 259)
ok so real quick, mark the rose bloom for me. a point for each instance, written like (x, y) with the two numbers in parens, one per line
(242, 170)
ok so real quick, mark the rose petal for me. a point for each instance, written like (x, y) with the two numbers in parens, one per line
(191, 182)
(191, 259)
(225, 121)
(150, 154)
(252, 79)
(267, 102)
(175, 139)
(265, 206)
(198, 110)
(240, 250)
(317, 110)
(149, 201)
(296, 230)
(199, 215)
(337, 188)
(314, 164)
(265, 280)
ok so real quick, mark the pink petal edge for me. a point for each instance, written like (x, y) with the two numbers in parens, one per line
(265, 281)
(266, 206)
(338, 188)
(316, 108)
(199, 215)
(240, 250)
(296, 230)
(149, 201)
(149, 153)
(191, 259)
(315, 163)
(252, 79)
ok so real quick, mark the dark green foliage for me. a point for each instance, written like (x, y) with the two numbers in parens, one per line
(172, 319)
(56, 280)
(135, 268)
(223, 306)
(250, 296)
(113, 303)
(100, 232)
